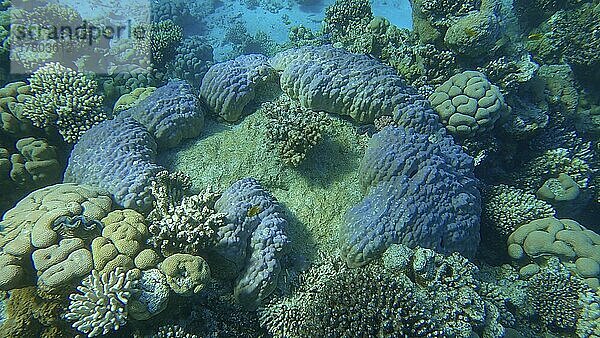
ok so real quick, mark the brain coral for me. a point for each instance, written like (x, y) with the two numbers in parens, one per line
(232, 88)
(577, 247)
(172, 113)
(336, 81)
(468, 104)
(12, 97)
(407, 174)
(118, 156)
(63, 98)
(28, 228)
(253, 240)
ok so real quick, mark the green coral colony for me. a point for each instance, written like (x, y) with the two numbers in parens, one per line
(352, 179)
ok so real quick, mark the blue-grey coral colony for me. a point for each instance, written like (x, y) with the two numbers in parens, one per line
(123, 238)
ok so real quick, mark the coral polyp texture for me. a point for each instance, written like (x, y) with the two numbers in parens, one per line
(577, 247)
(171, 113)
(118, 156)
(233, 88)
(253, 241)
(65, 99)
(293, 130)
(100, 306)
(421, 191)
(336, 81)
(30, 234)
(468, 104)
(181, 222)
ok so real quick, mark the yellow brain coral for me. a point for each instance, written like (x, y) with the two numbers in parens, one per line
(577, 247)
(40, 221)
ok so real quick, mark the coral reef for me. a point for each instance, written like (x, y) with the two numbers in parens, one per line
(33, 313)
(34, 164)
(430, 295)
(401, 168)
(132, 99)
(159, 41)
(335, 81)
(180, 223)
(193, 58)
(101, 304)
(118, 156)
(28, 228)
(235, 87)
(555, 294)
(12, 97)
(186, 274)
(468, 104)
(150, 297)
(293, 130)
(253, 241)
(171, 114)
(63, 98)
(506, 208)
(576, 246)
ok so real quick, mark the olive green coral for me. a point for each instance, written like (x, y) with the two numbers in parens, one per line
(65, 99)
(293, 130)
(31, 226)
(468, 104)
(577, 247)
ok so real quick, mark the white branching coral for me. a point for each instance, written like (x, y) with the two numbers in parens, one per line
(181, 223)
(101, 304)
(63, 98)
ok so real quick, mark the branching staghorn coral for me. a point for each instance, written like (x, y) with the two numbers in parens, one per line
(293, 130)
(63, 98)
(181, 223)
(101, 304)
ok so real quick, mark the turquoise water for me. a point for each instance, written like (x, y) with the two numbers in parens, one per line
(300, 168)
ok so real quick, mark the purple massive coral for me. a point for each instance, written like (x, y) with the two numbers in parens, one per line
(253, 240)
(422, 192)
